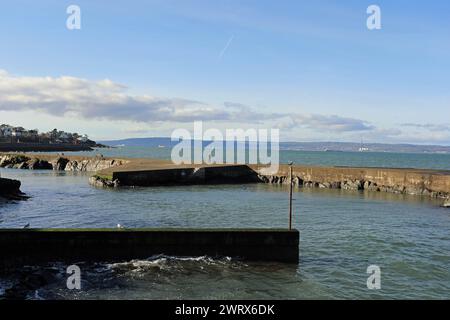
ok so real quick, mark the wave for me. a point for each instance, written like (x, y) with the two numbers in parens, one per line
(170, 263)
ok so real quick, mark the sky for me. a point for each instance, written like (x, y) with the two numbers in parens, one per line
(312, 69)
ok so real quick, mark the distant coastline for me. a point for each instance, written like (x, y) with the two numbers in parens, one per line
(43, 147)
(325, 146)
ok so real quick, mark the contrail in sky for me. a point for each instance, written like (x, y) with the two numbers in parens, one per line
(226, 47)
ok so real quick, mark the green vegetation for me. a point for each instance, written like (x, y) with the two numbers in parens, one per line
(104, 177)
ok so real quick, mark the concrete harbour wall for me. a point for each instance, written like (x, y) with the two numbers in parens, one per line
(34, 246)
(433, 183)
(186, 176)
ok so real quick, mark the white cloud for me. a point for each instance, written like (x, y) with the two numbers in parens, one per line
(428, 126)
(108, 100)
(103, 99)
(332, 123)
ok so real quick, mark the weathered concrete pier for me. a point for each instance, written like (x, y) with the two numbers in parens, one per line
(35, 246)
(114, 172)
(424, 182)
(185, 176)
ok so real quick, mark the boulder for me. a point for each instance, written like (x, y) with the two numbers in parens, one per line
(446, 203)
(297, 181)
(101, 182)
(352, 185)
(10, 189)
(38, 164)
(13, 160)
(23, 165)
(336, 185)
(60, 164)
(325, 185)
(71, 166)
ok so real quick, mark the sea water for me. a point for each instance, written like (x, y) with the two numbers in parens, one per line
(341, 234)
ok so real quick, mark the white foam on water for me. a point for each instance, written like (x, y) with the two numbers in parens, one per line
(164, 262)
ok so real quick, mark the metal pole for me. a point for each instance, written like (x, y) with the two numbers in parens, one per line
(290, 197)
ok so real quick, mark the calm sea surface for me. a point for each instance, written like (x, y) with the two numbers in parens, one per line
(332, 158)
(341, 232)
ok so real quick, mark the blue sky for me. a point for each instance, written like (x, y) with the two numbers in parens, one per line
(310, 68)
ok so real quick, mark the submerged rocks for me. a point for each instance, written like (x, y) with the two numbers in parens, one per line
(103, 182)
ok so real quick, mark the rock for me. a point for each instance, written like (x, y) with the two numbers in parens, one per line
(297, 181)
(23, 165)
(13, 160)
(446, 203)
(351, 185)
(101, 182)
(71, 166)
(94, 164)
(10, 189)
(38, 164)
(414, 190)
(308, 184)
(336, 185)
(60, 164)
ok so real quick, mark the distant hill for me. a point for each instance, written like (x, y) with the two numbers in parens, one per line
(305, 146)
(140, 142)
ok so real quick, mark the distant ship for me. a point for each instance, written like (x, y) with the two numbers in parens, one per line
(120, 146)
(161, 146)
(362, 148)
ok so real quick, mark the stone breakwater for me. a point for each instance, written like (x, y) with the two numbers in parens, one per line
(152, 172)
(423, 182)
(60, 163)
(430, 183)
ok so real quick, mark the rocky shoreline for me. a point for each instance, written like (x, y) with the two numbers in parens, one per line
(43, 147)
(59, 163)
